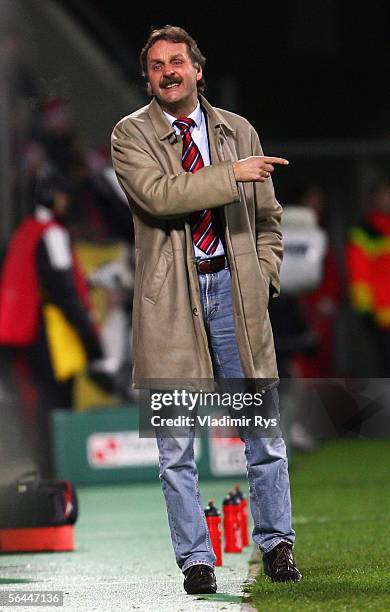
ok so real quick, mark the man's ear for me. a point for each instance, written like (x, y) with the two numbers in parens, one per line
(199, 73)
(149, 89)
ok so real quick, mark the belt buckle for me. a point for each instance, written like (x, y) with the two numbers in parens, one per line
(205, 261)
(210, 261)
(197, 261)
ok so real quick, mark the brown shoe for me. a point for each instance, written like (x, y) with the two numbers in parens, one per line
(200, 578)
(279, 564)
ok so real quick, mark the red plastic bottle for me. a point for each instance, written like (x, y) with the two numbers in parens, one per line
(213, 520)
(232, 524)
(244, 515)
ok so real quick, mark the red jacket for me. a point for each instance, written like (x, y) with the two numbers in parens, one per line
(368, 259)
(20, 299)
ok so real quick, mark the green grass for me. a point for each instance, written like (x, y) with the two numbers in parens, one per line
(341, 514)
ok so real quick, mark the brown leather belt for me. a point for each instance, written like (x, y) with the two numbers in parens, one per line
(212, 264)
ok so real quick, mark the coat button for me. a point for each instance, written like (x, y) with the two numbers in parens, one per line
(195, 311)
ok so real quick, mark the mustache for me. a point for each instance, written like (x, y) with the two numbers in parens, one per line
(167, 81)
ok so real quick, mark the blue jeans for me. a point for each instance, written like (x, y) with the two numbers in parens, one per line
(267, 468)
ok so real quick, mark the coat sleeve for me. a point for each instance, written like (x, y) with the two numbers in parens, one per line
(168, 196)
(268, 233)
(55, 269)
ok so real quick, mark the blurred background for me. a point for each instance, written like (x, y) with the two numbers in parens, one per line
(311, 78)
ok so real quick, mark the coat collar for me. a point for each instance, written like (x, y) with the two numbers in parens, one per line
(164, 129)
(215, 117)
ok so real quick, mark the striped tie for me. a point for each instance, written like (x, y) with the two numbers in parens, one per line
(203, 231)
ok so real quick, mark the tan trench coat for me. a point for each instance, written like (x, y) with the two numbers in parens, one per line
(169, 338)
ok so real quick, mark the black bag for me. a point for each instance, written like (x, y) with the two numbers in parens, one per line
(34, 502)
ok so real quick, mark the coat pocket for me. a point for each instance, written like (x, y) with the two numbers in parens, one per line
(154, 282)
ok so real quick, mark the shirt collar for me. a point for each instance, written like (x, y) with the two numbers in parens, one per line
(165, 129)
(196, 115)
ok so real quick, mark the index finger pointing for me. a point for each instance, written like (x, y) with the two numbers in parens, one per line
(276, 160)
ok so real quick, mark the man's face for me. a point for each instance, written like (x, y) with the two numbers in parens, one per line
(173, 77)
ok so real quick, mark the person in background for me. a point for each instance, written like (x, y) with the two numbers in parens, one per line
(45, 312)
(209, 247)
(368, 268)
(320, 307)
(304, 320)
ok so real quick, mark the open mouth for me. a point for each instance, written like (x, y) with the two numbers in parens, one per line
(171, 85)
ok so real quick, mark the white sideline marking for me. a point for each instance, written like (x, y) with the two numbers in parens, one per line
(303, 520)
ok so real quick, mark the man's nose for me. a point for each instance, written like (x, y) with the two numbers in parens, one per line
(168, 71)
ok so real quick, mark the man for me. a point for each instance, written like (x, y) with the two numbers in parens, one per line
(208, 255)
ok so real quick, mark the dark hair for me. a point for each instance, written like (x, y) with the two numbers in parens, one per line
(177, 35)
(47, 184)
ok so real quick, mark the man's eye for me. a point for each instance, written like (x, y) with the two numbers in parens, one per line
(177, 62)
(157, 67)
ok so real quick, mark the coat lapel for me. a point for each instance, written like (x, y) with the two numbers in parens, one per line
(218, 129)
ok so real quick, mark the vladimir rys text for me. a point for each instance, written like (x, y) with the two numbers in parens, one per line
(209, 421)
